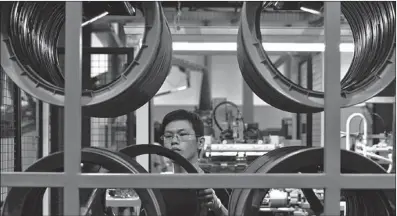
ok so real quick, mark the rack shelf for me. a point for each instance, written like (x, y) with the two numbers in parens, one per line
(72, 180)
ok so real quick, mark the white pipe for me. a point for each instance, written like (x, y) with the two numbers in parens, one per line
(375, 156)
(379, 149)
(348, 131)
(390, 156)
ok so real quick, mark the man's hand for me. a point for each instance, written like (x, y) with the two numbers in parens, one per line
(208, 199)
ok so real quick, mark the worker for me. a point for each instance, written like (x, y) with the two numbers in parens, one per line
(182, 132)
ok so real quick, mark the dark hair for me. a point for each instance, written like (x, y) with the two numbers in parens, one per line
(181, 114)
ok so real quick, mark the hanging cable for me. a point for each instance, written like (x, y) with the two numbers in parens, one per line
(31, 32)
(371, 70)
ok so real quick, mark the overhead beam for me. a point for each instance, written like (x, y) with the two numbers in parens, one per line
(190, 29)
(231, 17)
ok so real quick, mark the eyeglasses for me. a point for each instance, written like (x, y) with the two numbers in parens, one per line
(181, 137)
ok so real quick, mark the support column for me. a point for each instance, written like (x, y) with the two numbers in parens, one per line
(144, 131)
(394, 139)
(57, 125)
(46, 150)
(131, 120)
(309, 116)
(205, 102)
(86, 82)
(290, 69)
(17, 129)
(322, 113)
(332, 90)
(248, 103)
(73, 89)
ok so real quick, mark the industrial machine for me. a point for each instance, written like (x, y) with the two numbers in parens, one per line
(381, 152)
(232, 143)
(30, 57)
(291, 202)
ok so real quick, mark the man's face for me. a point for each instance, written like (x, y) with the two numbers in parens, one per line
(180, 137)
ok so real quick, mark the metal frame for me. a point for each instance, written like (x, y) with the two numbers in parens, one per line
(72, 179)
(309, 116)
(16, 100)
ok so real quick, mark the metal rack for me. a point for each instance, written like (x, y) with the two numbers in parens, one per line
(71, 180)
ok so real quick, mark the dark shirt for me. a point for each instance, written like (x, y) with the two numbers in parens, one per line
(184, 202)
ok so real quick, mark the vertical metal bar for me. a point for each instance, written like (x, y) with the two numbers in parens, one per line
(18, 129)
(73, 86)
(113, 67)
(57, 128)
(45, 113)
(289, 67)
(298, 126)
(309, 116)
(131, 120)
(39, 126)
(151, 133)
(394, 139)
(143, 132)
(39, 150)
(299, 115)
(57, 144)
(107, 135)
(332, 106)
(130, 133)
(2, 83)
(322, 130)
(205, 102)
(86, 82)
(248, 103)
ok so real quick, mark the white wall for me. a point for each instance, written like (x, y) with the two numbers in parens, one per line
(226, 79)
(227, 82)
(186, 97)
(318, 136)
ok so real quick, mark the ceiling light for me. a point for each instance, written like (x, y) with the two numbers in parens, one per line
(94, 19)
(310, 10)
(171, 91)
(270, 47)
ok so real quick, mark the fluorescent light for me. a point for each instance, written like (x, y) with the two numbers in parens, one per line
(94, 19)
(172, 91)
(310, 10)
(181, 88)
(188, 46)
(280, 47)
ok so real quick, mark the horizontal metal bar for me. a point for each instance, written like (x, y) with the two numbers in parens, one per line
(101, 50)
(32, 179)
(95, 180)
(220, 52)
(381, 100)
(368, 181)
(233, 30)
(269, 39)
(107, 180)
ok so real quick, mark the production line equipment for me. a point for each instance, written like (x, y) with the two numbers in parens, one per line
(308, 202)
(361, 143)
(231, 157)
(34, 27)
